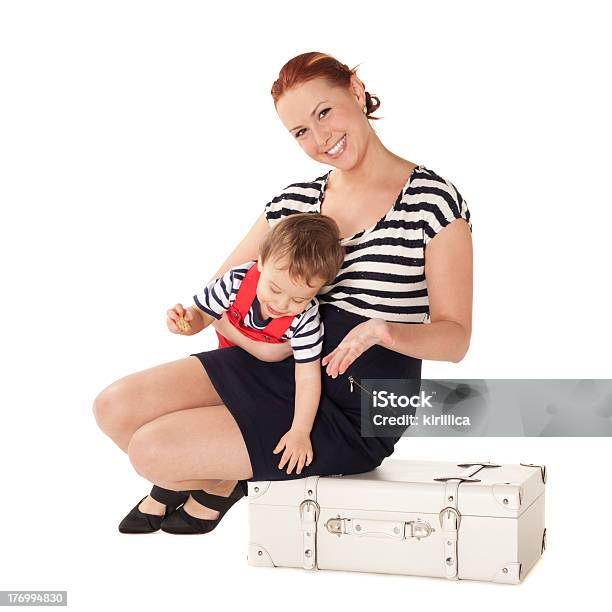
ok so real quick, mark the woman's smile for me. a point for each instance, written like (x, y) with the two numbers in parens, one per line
(337, 150)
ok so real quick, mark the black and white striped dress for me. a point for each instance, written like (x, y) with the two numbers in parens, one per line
(383, 276)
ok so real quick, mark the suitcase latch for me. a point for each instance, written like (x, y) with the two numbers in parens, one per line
(418, 529)
(334, 525)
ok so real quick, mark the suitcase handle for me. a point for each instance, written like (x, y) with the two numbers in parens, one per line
(397, 530)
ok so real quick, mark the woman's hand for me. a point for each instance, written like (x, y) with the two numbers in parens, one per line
(356, 342)
(298, 450)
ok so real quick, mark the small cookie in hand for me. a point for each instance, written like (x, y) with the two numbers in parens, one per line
(182, 324)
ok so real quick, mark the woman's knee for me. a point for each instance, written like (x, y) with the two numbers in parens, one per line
(111, 409)
(149, 453)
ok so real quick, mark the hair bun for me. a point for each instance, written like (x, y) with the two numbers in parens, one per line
(372, 104)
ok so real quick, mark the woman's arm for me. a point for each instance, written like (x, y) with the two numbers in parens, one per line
(264, 351)
(448, 270)
(248, 248)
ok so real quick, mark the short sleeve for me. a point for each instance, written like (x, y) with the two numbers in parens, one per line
(441, 205)
(272, 211)
(307, 338)
(219, 294)
(214, 299)
(295, 198)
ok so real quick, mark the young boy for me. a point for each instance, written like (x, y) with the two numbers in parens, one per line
(272, 299)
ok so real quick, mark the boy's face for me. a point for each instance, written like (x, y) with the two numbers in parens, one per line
(281, 296)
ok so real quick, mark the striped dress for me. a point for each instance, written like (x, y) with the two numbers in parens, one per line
(383, 274)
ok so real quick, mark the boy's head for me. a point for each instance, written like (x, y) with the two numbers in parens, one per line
(301, 254)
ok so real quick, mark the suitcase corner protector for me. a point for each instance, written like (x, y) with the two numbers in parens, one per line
(259, 556)
(509, 573)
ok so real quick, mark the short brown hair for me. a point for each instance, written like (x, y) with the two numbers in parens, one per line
(311, 244)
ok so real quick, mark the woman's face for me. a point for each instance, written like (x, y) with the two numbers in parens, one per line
(327, 122)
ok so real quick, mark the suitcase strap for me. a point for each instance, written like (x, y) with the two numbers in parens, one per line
(398, 530)
(309, 514)
(449, 521)
(450, 517)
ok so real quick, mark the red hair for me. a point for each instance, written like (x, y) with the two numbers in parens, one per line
(313, 65)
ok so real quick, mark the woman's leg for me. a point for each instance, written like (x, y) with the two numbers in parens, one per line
(188, 447)
(134, 400)
(130, 402)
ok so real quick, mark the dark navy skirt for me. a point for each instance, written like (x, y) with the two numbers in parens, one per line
(260, 396)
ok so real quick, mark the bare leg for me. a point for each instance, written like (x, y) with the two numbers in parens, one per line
(134, 400)
(189, 446)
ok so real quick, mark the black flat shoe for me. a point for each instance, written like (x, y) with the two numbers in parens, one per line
(181, 522)
(141, 522)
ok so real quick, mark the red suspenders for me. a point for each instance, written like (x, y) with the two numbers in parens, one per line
(238, 310)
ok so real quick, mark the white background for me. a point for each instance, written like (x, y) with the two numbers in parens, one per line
(139, 142)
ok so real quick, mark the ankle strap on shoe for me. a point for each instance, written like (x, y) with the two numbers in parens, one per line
(168, 497)
(218, 502)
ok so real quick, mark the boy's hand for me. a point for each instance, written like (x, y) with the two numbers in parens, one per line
(298, 450)
(179, 320)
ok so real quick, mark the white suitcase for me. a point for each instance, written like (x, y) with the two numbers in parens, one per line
(468, 521)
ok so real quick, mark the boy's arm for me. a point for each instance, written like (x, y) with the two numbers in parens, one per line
(215, 299)
(201, 320)
(307, 394)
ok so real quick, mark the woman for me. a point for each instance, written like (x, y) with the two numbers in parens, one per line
(197, 426)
